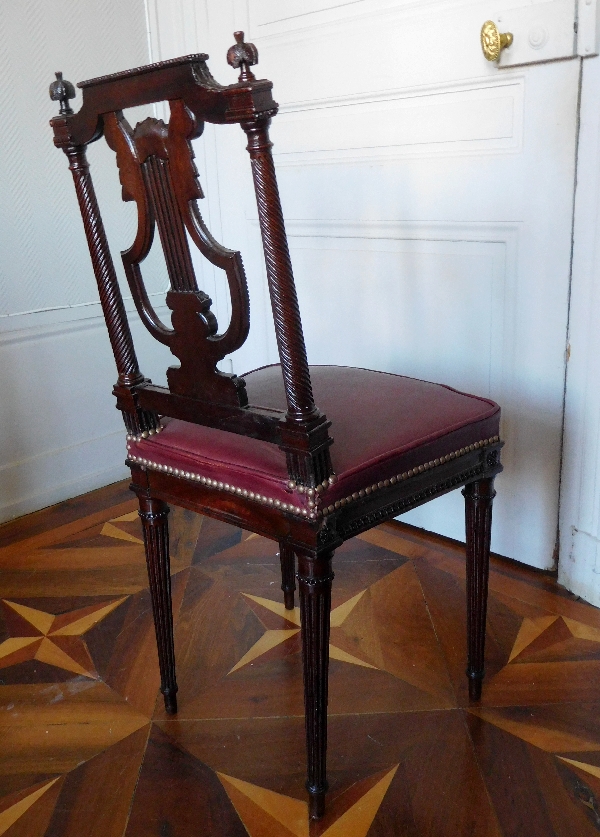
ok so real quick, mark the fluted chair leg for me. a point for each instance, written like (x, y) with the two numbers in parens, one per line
(315, 577)
(288, 574)
(154, 515)
(478, 515)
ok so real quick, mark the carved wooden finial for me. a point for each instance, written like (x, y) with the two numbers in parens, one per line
(242, 55)
(61, 91)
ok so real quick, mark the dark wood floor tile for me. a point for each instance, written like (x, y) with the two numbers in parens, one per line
(530, 788)
(14, 784)
(584, 790)
(104, 534)
(31, 814)
(528, 683)
(392, 624)
(233, 663)
(179, 796)
(185, 529)
(521, 586)
(216, 537)
(80, 672)
(45, 639)
(396, 814)
(374, 545)
(52, 728)
(446, 600)
(555, 728)
(112, 581)
(428, 543)
(132, 670)
(103, 636)
(252, 567)
(532, 654)
(268, 752)
(215, 629)
(51, 536)
(64, 513)
(446, 791)
(96, 797)
(414, 770)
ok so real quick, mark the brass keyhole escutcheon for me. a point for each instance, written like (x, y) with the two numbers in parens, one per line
(492, 41)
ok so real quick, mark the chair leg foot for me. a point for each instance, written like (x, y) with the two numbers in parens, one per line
(475, 684)
(315, 577)
(170, 696)
(154, 515)
(478, 514)
(288, 574)
(316, 804)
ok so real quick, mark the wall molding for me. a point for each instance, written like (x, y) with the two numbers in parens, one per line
(503, 366)
(426, 121)
(481, 231)
(412, 92)
(339, 14)
(64, 316)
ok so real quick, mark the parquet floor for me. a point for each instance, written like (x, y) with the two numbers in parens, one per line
(87, 751)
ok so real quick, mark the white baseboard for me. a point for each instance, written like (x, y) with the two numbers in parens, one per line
(32, 484)
(579, 570)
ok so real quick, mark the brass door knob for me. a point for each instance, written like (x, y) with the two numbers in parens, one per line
(492, 41)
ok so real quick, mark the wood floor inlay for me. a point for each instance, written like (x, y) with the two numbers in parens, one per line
(87, 750)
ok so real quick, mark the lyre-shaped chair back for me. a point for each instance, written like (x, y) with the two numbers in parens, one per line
(157, 171)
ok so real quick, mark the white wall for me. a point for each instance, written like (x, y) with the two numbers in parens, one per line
(60, 434)
(579, 564)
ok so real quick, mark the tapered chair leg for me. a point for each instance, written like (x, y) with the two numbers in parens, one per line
(288, 574)
(478, 515)
(315, 577)
(154, 515)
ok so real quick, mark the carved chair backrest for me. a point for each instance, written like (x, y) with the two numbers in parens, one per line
(157, 172)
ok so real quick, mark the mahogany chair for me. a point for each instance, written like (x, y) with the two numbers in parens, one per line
(255, 451)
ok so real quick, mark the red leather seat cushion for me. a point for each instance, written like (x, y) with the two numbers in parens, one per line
(382, 425)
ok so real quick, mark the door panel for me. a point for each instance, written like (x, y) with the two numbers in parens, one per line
(428, 198)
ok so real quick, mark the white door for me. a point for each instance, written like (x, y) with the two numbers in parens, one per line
(428, 198)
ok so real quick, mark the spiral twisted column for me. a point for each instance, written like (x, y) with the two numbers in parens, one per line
(478, 517)
(284, 300)
(104, 270)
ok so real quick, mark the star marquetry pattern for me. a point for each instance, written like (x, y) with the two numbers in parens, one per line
(53, 639)
(109, 529)
(351, 814)
(272, 638)
(18, 804)
(548, 638)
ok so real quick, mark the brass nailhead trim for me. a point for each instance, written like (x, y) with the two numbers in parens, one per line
(145, 435)
(223, 486)
(312, 512)
(351, 498)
